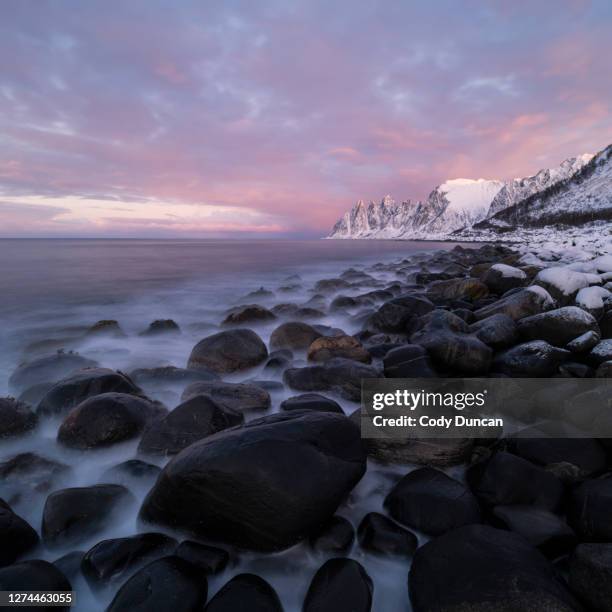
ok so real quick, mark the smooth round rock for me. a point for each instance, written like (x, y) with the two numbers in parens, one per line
(380, 535)
(588, 510)
(210, 559)
(559, 326)
(590, 575)
(311, 401)
(34, 575)
(348, 347)
(245, 593)
(16, 418)
(293, 335)
(535, 359)
(241, 397)
(336, 537)
(16, 535)
(249, 313)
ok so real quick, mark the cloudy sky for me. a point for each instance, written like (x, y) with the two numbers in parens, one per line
(178, 118)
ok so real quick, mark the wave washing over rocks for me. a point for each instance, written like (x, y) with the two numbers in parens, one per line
(227, 466)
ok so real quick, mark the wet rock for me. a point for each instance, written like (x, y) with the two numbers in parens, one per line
(16, 418)
(336, 537)
(573, 369)
(293, 335)
(535, 359)
(465, 314)
(311, 401)
(35, 575)
(132, 473)
(541, 528)
(454, 350)
(507, 479)
(325, 348)
(601, 352)
(263, 486)
(245, 589)
(590, 575)
(68, 392)
(340, 375)
(241, 397)
(103, 420)
(340, 585)
(557, 327)
(276, 364)
(500, 278)
(161, 326)
(331, 285)
(604, 370)
(430, 501)
(249, 313)
(171, 375)
(16, 535)
(397, 314)
(511, 575)
(32, 470)
(210, 559)
(457, 288)
(379, 534)
(106, 327)
(584, 343)
(70, 563)
(47, 369)
(408, 361)
(73, 515)
(166, 584)
(588, 510)
(523, 303)
(497, 331)
(194, 419)
(229, 351)
(115, 560)
(344, 302)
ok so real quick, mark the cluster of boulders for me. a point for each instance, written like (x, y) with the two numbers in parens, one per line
(522, 524)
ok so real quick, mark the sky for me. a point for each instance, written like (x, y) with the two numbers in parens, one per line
(157, 118)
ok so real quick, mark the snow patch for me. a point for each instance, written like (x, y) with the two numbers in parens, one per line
(509, 271)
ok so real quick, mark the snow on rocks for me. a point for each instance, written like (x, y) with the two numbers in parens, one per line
(592, 299)
(563, 283)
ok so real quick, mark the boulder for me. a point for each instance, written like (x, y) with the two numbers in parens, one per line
(557, 327)
(166, 584)
(432, 502)
(249, 313)
(497, 331)
(601, 352)
(507, 479)
(343, 376)
(210, 559)
(32, 471)
(588, 510)
(228, 351)
(535, 359)
(340, 585)
(479, 568)
(161, 326)
(106, 327)
(457, 289)
(325, 348)
(523, 303)
(563, 283)
(293, 335)
(331, 285)
(245, 592)
(397, 314)
(71, 516)
(73, 390)
(48, 368)
(16, 418)
(408, 361)
(171, 375)
(103, 420)
(16, 535)
(35, 575)
(336, 537)
(263, 486)
(604, 370)
(311, 401)
(240, 397)
(194, 419)
(380, 535)
(132, 473)
(500, 278)
(115, 560)
(590, 575)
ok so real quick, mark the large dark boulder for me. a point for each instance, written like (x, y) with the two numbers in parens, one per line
(478, 568)
(588, 510)
(241, 397)
(169, 583)
(336, 536)
(590, 575)
(559, 326)
(35, 575)
(534, 359)
(500, 278)
(48, 368)
(340, 585)
(73, 390)
(33, 471)
(103, 420)
(311, 401)
(132, 473)
(522, 303)
(398, 314)
(263, 486)
(113, 561)
(229, 351)
(343, 376)
(457, 289)
(293, 335)
(328, 347)
(161, 326)
(245, 593)
(380, 535)
(248, 313)
(189, 422)
(16, 535)
(210, 559)
(497, 331)
(408, 361)
(73, 515)
(16, 418)
(431, 501)
(601, 352)
(508, 479)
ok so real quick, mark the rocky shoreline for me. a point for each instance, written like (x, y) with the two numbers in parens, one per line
(230, 472)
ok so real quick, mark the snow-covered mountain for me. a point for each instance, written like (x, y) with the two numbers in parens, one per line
(458, 205)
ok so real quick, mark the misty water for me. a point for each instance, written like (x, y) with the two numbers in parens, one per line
(54, 290)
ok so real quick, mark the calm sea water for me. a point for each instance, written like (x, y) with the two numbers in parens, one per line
(53, 290)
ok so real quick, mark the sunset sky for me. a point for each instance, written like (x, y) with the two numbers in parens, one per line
(270, 118)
